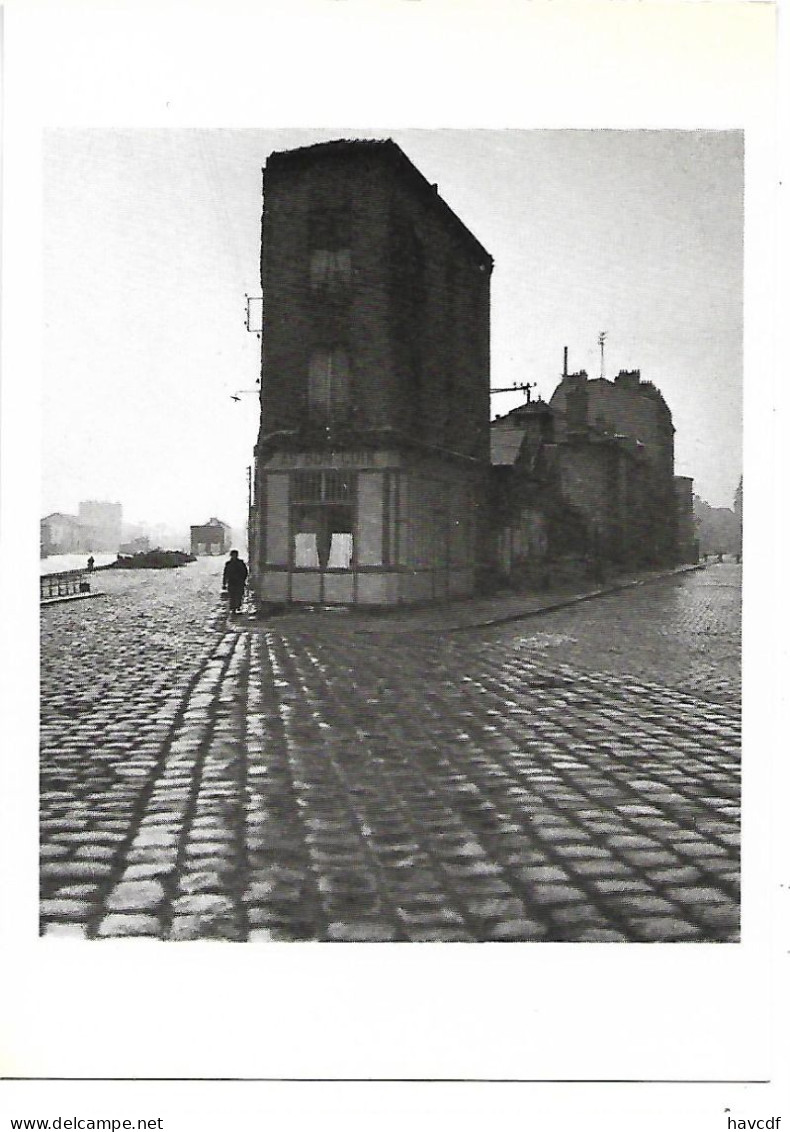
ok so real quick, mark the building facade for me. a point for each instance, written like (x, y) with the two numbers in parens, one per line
(62, 534)
(687, 540)
(586, 479)
(102, 522)
(210, 538)
(630, 497)
(372, 457)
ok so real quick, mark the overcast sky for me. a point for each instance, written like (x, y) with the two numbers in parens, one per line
(152, 239)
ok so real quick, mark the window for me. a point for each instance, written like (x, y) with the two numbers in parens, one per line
(323, 537)
(330, 243)
(322, 487)
(306, 487)
(337, 487)
(323, 520)
(328, 384)
(330, 271)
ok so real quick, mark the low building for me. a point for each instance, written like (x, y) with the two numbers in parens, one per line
(531, 526)
(63, 534)
(211, 538)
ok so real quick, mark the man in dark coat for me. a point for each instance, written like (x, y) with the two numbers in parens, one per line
(234, 579)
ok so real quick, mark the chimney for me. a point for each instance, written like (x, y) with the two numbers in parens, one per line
(629, 378)
(576, 404)
(565, 362)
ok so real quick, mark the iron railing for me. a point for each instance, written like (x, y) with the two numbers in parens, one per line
(64, 584)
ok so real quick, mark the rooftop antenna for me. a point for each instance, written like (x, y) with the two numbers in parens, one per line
(601, 340)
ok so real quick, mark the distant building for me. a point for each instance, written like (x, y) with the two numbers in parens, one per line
(102, 523)
(210, 538)
(584, 481)
(372, 456)
(718, 528)
(634, 511)
(687, 541)
(738, 510)
(62, 534)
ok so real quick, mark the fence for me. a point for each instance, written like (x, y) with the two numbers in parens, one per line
(65, 584)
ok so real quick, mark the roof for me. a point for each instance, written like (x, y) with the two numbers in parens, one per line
(62, 515)
(392, 152)
(527, 409)
(212, 522)
(639, 387)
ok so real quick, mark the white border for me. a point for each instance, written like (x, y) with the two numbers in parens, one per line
(534, 1011)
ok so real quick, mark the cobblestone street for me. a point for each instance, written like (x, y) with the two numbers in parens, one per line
(573, 776)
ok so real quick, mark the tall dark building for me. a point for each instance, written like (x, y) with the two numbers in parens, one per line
(372, 455)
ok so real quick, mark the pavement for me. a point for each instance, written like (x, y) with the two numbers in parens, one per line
(492, 771)
(474, 613)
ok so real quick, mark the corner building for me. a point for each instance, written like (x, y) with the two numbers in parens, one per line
(372, 455)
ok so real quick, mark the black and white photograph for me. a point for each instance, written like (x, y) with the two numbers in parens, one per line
(398, 598)
(391, 403)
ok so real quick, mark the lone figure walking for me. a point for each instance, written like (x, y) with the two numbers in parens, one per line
(234, 579)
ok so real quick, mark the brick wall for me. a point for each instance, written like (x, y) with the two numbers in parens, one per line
(416, 317)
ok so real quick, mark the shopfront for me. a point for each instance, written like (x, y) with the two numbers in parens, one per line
(364, 528)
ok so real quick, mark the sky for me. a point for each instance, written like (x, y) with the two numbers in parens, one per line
(152, 241)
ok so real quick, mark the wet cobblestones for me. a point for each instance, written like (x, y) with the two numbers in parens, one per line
(308, 781)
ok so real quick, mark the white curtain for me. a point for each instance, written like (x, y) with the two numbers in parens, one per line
(340, 551)
(306, 549)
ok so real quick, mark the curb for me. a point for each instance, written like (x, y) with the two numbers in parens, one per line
(485, 623)
(576, 599)
(68, 597)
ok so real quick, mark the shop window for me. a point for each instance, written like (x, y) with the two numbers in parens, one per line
(329, 384)
(323, 536)
(336, 487)
(306, 487)
(323, 518)
(322, 487)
